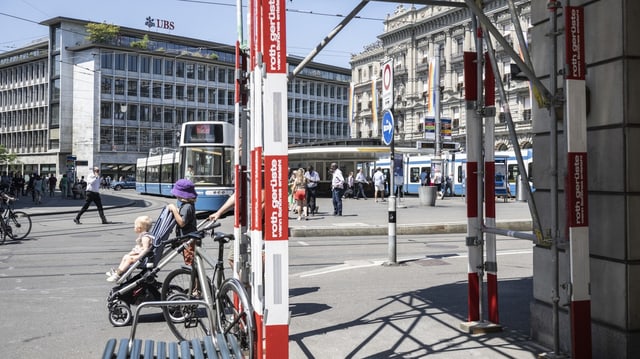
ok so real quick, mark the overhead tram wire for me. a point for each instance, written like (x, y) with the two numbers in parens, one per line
(306, 12)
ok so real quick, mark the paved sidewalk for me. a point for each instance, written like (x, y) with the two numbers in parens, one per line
(366, 217)
(58, 204)
(360, 217)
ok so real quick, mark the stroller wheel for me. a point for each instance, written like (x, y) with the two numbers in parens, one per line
(119, 314)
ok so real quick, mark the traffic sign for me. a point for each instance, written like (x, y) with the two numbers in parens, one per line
(387, 85)
(387, 127)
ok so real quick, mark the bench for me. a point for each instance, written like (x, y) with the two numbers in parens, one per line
(211, 347)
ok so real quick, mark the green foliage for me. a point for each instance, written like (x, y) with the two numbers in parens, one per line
(102, 33)
(213, 56)
(142, 44)
(5, 156)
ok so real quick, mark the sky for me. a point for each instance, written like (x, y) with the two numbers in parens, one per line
(308, 21)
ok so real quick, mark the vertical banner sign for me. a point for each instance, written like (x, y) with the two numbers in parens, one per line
(576, 183)
(276, 170)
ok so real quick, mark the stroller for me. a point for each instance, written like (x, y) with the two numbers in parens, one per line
(133, 289)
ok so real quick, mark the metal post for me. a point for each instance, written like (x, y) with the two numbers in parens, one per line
(393, 259)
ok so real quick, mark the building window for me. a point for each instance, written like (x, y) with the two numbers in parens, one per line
(179, 92)
(157, 114)
(168, 91)
(145, 64)
(157, 90)
(180, 69)
(133, 63)
(106, 61)
(157, 66)
(132, 88)
(201, 72)
(106, 110)
(120, 62)
(144, 113)
(119, 87)
(144, 88)
(190, 71)
(191, 96)
(168, 67)
(106, 85)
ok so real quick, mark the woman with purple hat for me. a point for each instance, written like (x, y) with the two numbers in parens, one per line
(185, 216)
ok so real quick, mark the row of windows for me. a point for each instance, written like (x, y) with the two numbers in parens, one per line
(325, 109)
(118, 138)
(318, 89)
(23, 119)
(324, 128)
(164, 90)
(22, 73)
(24, 95)
(134, 63)
(25, 142)
(156, 113)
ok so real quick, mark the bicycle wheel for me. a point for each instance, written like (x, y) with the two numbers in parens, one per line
(186, 322)
(20, 225)
(3, 233)
(236, 315)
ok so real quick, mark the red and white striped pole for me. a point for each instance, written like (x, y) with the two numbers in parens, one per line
(255, 165)
(474, 130)
(276, 262)
(576, 183)
(491, 262)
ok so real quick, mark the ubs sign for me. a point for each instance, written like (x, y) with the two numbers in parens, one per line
(159, 23)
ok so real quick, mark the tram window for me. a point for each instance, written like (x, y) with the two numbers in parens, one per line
(414, 174)
(513, 172)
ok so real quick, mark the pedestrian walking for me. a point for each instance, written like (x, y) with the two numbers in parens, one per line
(51, 181)
(361, 180)
(93, 195)
(337, 189)
(378, 183)
(313, 178)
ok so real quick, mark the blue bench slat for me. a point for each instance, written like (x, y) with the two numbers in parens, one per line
(136, 349)
(161, 351)
(109, 349)
(196, 345)
(185, 351)
(210, 347)
(173, 351)
(123, 350)
(224, 348)
(149, 349)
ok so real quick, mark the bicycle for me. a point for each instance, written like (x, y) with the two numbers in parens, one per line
(226, 299)
(15, 224)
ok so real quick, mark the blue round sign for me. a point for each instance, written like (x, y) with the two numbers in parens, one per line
(387, 128)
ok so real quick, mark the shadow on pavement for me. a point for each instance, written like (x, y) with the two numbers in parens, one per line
(400, 321)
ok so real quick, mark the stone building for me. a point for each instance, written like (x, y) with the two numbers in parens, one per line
(411, 38)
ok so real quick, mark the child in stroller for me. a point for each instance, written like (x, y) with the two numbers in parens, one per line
(141, 226)
(133, 289)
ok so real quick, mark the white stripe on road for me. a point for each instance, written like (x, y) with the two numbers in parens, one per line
(372, 263)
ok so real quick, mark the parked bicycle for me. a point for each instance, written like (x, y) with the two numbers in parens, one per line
(14, 224)
(227, 298)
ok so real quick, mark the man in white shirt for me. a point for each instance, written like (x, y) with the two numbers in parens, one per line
(337, 189)
(361, 180)
(313, 178)
(93, 195)
(378, 181)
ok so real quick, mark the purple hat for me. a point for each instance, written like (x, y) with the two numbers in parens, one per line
(184, 189)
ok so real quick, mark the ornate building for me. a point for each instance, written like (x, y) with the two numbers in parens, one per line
(412, 37)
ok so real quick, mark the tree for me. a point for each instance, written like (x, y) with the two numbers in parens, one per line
(141, 44)
(102, 33)
(6, 157)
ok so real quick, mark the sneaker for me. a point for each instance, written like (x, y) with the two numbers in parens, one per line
(110, 272)
(114, 277)
(76, 221)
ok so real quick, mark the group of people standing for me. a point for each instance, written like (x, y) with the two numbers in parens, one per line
(303, 187)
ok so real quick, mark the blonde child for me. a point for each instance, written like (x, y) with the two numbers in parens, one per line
(141, 226)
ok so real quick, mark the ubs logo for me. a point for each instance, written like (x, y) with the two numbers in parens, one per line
(159, 23)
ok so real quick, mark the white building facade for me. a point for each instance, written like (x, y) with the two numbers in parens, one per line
(67, 103)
